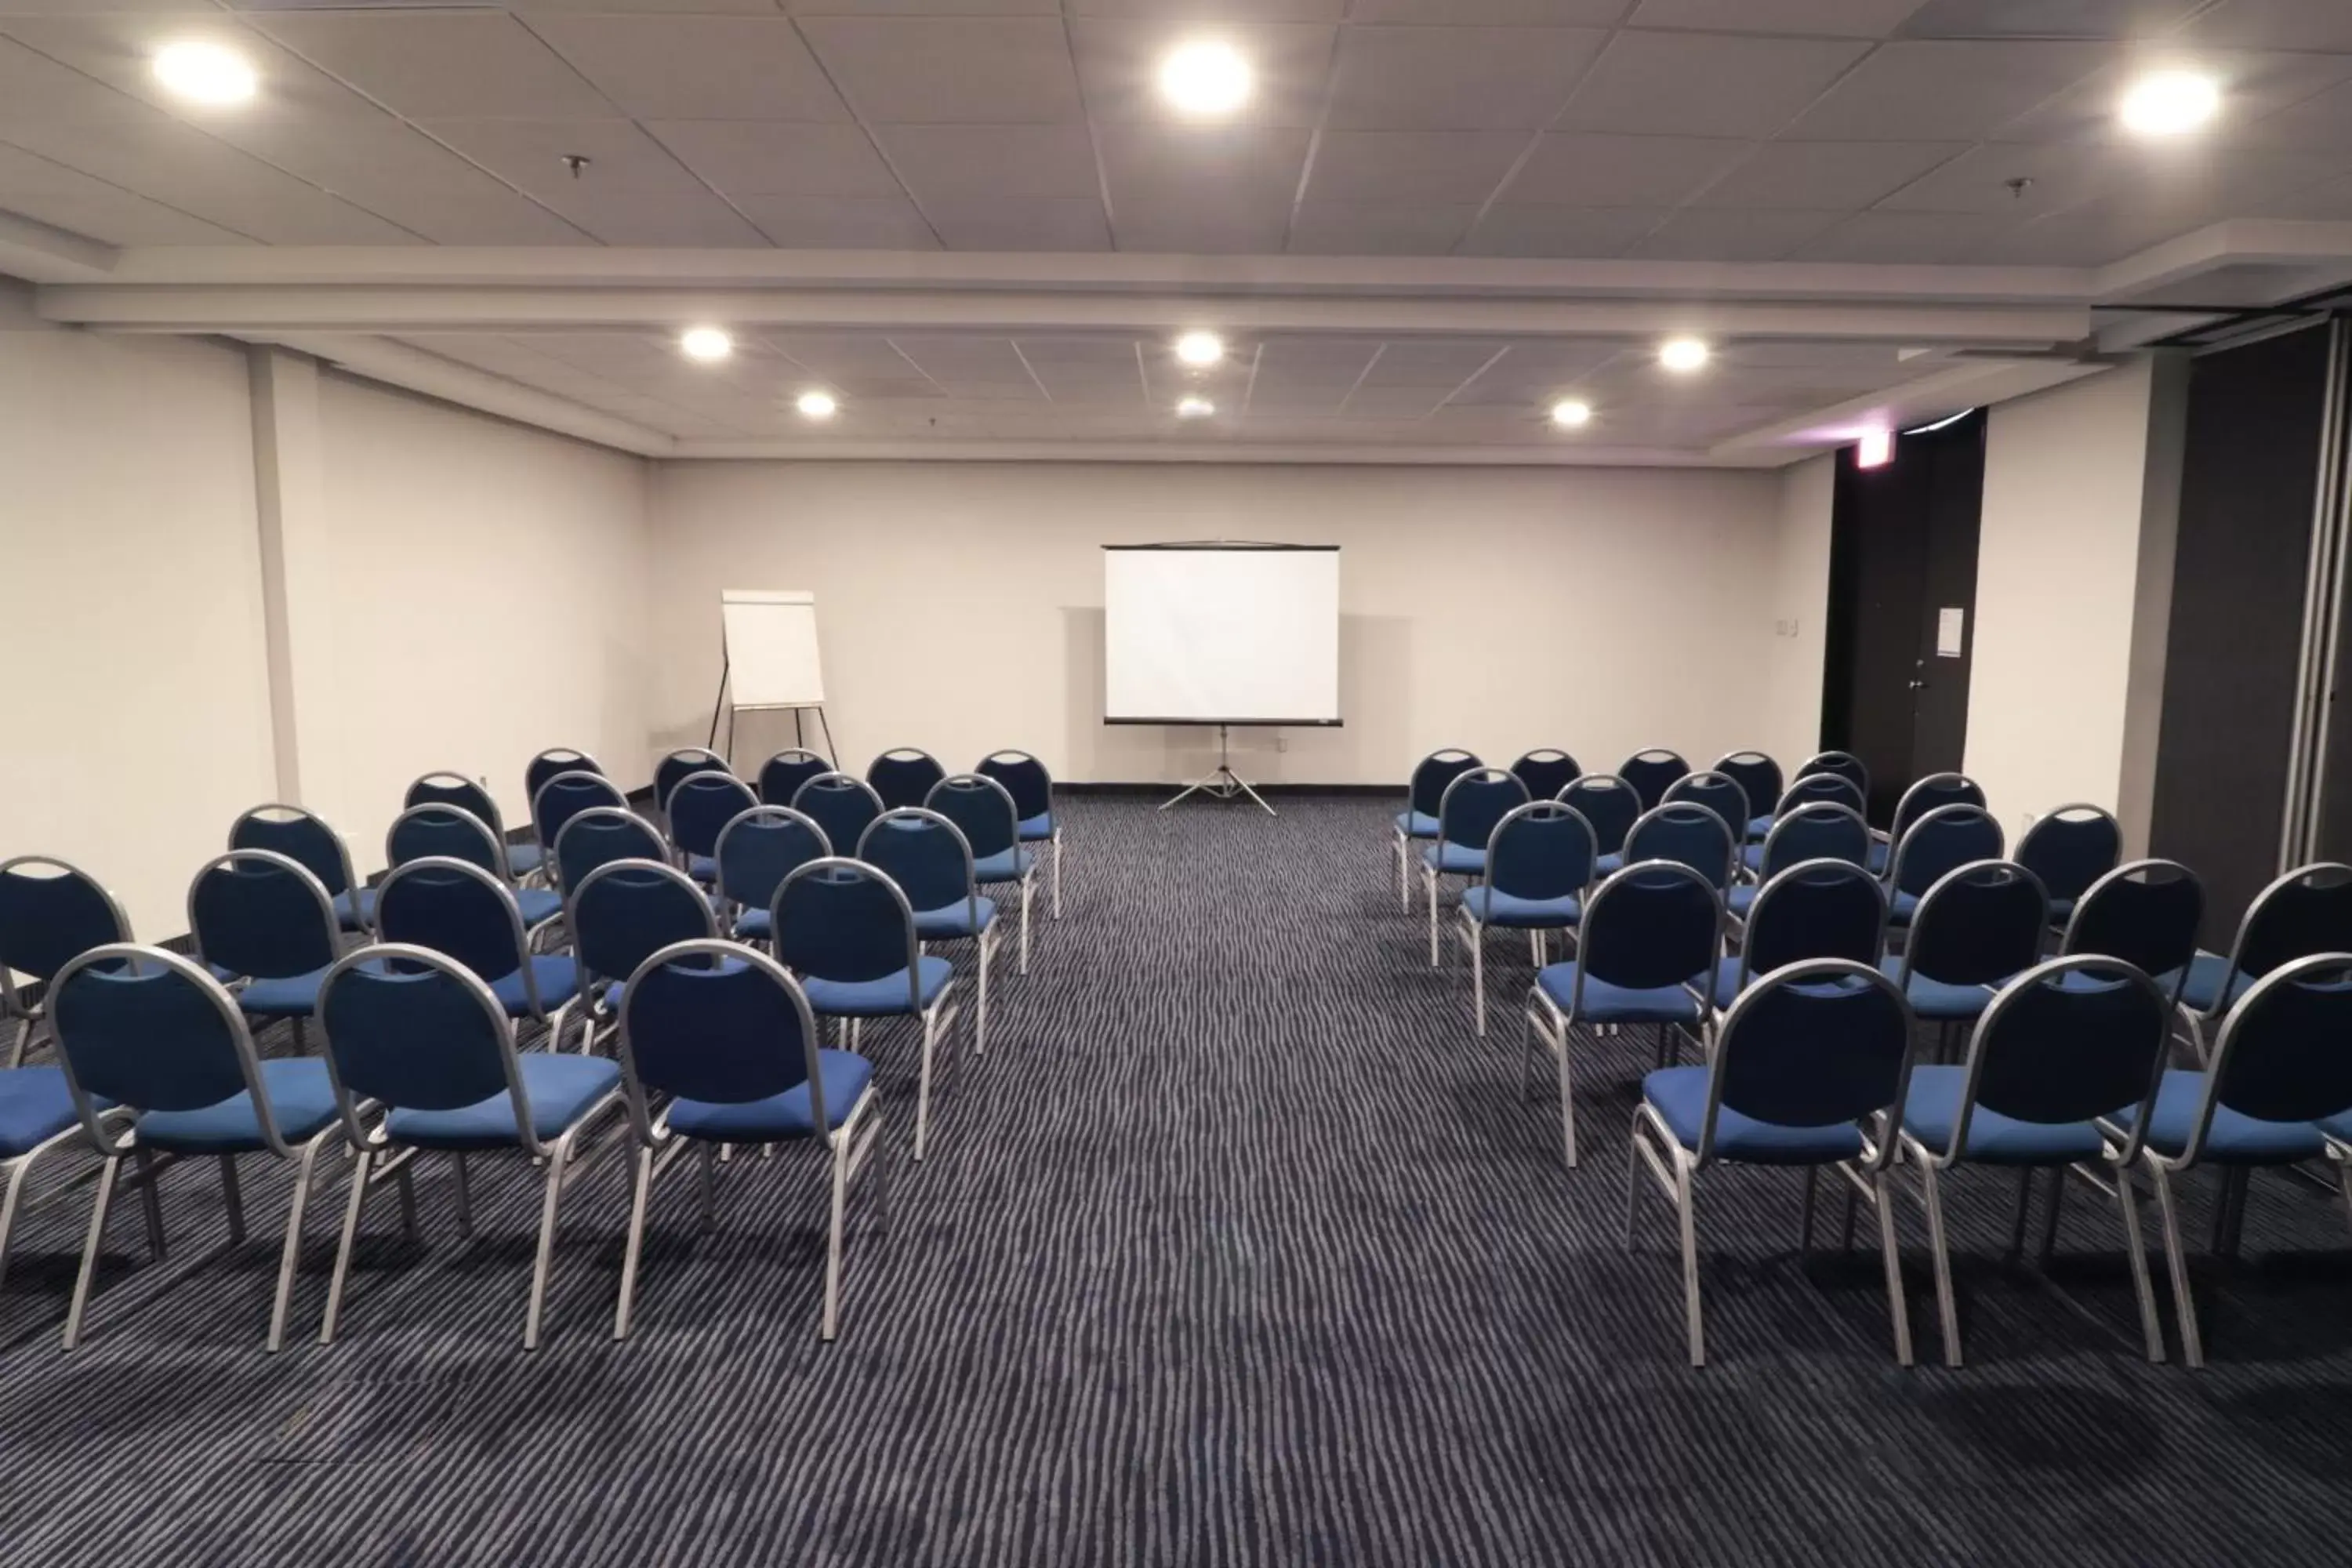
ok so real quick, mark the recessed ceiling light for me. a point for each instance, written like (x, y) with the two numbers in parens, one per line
(205, 73)
(1200, 348)
(2170, 103)
(709, 344)
(1683, 354)
(1206, 77)
(1195, 408)
(816, 405)
(1569, 413)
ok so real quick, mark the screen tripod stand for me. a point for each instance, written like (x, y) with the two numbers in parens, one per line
(1221, 783)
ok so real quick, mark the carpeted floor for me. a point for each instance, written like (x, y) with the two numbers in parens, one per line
(1236, 1249)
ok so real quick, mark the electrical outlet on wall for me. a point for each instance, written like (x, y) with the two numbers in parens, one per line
(1282, 743)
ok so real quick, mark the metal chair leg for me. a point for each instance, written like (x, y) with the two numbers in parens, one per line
(2049, 1219)
(2184, 1305)
(1947, 1312)
(1478, 976)
(90, 1248)
(2136, 1252)
(462, 1193)
(232, 1198)
(1429, 886)
(923, 1090)
(833, 1241)
(640, 1186)
(292, 1252)
(1687, 1206)
(1567, 1100)
(1057, 873)
(560, 1156)
(23, 1032)
(151, 1202)
(343, 1249)
(18, 1170)
(1028, 886)
(980, 1020)
(2024, 1206)
(1895, 1306)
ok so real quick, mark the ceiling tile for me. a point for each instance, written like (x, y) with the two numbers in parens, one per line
(1019, 222)
(359, 158)
(1573, 169)
(1360, 228)
(34, 86)
(1933, 238)
(1560, 231)
(1946, 92)
(777, 158)
(943, 71)
(2063, 173)
(1119, 62)
(2045, 19)
(907, 7)
(963, 161)
(529, 153)
(560, 8)
(1833, 176)
(1448, 78)
(1832, 18)
(1724, 234)
(441, 64)
(948, 358)
(1695, 84)
(114, 47)
(498, 217)
(1442, 363)
(2089, 235)
(2276, 25)
(1251, 164)
(2256, 86)
(1393, 401)
(696, 68)
(2320, 121)
(65, 198)
(1165, 227)
(839, 223)
(649, 217)
(1494, 13)
(1411, 165)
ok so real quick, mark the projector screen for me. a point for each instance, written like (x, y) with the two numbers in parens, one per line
(1203, 634)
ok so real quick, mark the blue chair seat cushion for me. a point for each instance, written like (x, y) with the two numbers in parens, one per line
(35, 1107)
(1038, 829)
(1876, 859)
(1416, 825)
(1679, 1096)
(1752, 857)
(1726, 980)
(2201, 992)
(1005, 865)
(1609, 865)
(1758, 826)
(355, 910)
(780, 1116)
(2061, 911)
(288, 996)
(952, 920)
(1489, 907)
(1740, 899)
(1901, 908)
(538, 905)
(1607, 1004)
(886, 998)
(1455, 860)
(1932, 1110)
(560, 1088)
(523, 859)
(1935, 999)
(301, 1102)
(755, 925)
(2234, 1138)
(558, 976)
(703, 868)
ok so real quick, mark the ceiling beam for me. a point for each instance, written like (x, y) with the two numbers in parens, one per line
(1970, 383)
(39, 253)
(1355, 454)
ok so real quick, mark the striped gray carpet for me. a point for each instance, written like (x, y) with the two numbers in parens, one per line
(1238, 1249)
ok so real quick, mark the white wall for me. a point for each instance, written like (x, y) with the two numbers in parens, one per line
(960, 606)
(1799, 595)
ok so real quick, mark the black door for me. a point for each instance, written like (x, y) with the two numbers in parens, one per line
(1903, 592)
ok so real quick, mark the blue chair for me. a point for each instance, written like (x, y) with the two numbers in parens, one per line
(700, 807)
(565, 797)
(727, 1040)
(600, 835)
(552, 764)
(37, 1117)
(756, 852)
(1810, 789)
(677, 766)
(264, 926)
(904, 775)
(1646, 953)
(1804, 1058)
(50, 913)
(2070, 848)
(2279, 1093)
(1937, 843)
(842, 806)
(1758, 778)
(620, 913)
(1688, 834)
(1546, 771)
(782, 776)
(983, 812)
(1829, 908)
(2145, 913)
(425, 1062)
(1650, 772)
(451, 832)
(1931, 794)
(929, 859)
(2064, 1044)
(1976, 929)
(455, 908)
(1467, 814)
(1424, 792)
(1610, 805)
(1538, 866)
(1817, 830)
(1839, 765)
(847, 934)
(2307, 910)
(1720, 793)
(449, 788)
(306, 839)
(1025, 778)
(147, 1034)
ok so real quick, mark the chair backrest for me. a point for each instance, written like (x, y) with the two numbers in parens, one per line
(302, 837)
(838, 918)
(1546, 770)
(622, 911)
(840, 805)
(1025, 778)
(904, 775)
(759, 849)
(552, 762)
(2285, 1051)
(1720, 793)
(565, 797)
(980, 809)
(455, 908)
(782, 776)
(926, 855)
(600, 835)
(1813, 909)
(1942, 841)
(2069, 1040)
(448, 787)
(444, 832)
(1813, 1045)
(1652, 924)
(2147, 913)
(1474, 802)
(677, 766)
(1817, 830)
(1688, 834)
(1834, 789)
(151, 1030)
(50, 912)
(1651, 771)
(713, 1022)
(1932, 793)
(2072, 847)
(1758, 776)
(1541, 850)
(1979, 925)
(1839, 765)
(415, 1029)
(1608, 804)
(2305, 911)
(1426, 789)
(700, 807)
(262, 915)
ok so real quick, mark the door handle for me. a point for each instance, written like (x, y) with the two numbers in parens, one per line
(1918, 686)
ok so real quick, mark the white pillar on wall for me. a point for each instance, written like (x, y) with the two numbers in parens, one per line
(289, 485)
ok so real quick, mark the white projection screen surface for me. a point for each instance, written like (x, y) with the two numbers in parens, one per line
(1221, 635)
